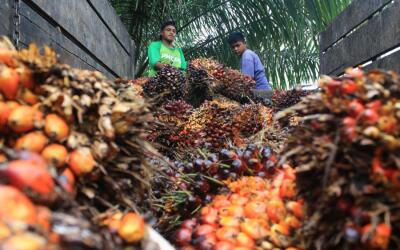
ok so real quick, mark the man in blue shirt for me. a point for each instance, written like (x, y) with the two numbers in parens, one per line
(250, 63)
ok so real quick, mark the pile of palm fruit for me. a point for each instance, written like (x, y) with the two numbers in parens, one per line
(72, 152)
(347, 154)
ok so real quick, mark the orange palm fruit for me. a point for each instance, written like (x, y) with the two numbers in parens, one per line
(232, 210)
(296, 209)
(132, 228)
(293, 222)
(81, 161)
(3, 158)
(25, 241)
(9, 82)
(25, 175)
(16, 206)
(209, 215)
(55, 127)
(5, 112)
(224, 245)
(242, 248)
(288, 189)
(276, 210)
(5, 231)
(55, 154)
(204, 229)
(26, 77)
(24, 118)
(43, 217)
(229, 221)
(227, 234)
(12, 105)
(256, 229)
(379, 238)
(33, 141)
(244, 240)
(113, 221)
(67, 180)
(7, 56)
(27, 96)
(255, 209)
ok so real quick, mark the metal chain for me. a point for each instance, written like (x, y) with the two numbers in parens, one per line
(16, 23)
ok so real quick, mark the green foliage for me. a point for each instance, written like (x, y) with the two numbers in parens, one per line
(283, 32)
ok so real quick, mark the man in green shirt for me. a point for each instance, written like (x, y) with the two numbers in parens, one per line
(163, 52)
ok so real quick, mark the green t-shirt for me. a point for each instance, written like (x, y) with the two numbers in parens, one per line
(158, 52)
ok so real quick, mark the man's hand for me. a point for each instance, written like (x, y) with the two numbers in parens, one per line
(159, 65)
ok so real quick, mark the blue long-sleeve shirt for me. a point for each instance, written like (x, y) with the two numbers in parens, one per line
(250, 64)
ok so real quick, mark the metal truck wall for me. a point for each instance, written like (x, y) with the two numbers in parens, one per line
(366, 33)
(85, 33)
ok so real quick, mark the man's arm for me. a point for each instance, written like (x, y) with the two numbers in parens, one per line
(183, 61)
(247, 66)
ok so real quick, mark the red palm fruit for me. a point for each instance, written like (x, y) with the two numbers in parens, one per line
(113, 221)
(349, 87)
(227, 234)
(332, 86)
(395, 178)
(9, 82)
(43, 217)
(183, 236)
(355, 108)
(255, 209)
(204, 229)
(5, 112)
(290, 173)
(224, 245)
(55, 127)
(354, 72)
(26, 176)
(55, 154)
(189, 223)
(349, 122)
(67, 180)
(276, 210)
(254, 228)
(374, 105)
(33, 141)
(81, 161)
(27, 96)
(16, 206)
(26, 77)
(244, 240)
(296, 209)
(24, 118)
(370, 116)
(242, 248)
(132, 228)
(34, 158)
(208, 242)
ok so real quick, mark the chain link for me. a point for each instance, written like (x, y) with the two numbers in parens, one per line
(16, 23)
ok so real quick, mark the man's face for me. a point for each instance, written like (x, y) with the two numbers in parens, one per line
(239, 47)
(168, 33)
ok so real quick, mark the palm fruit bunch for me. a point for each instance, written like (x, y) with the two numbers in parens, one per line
(168, 85)
(37, 213)
(347, 153)
(256, 213)
(193, 184)
(89, 130)
(168, 132)
(222, 123)
(282, 99)
(199, 86)
(230, 83)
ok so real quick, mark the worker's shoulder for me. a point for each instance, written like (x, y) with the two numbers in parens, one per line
(155, 44)
(248, 53)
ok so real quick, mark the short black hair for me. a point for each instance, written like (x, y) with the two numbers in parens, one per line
(168, 23)
(236, 37)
